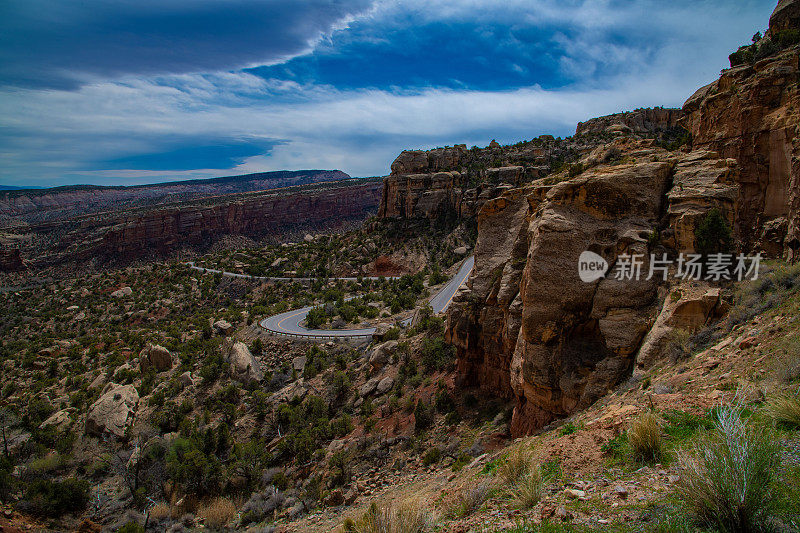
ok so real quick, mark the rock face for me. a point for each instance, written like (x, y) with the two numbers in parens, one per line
(647, 120)
(114, 411)
(48, 205)
(156, 357)
(526, 326)
(702, 182)
(455, 182)
(156, 231)
(244, 367)
(786, 16)
(751, 114)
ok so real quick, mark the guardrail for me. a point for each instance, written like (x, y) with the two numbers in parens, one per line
(318, 337)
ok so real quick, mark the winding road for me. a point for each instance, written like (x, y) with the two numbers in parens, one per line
(288, 323)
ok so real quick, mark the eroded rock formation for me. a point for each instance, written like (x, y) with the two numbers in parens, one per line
(751, 114)
(647, 120)
(526, 326)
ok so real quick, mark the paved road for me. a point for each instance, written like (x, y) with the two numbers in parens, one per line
(288, 323)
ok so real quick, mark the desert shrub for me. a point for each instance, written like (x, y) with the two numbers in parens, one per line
(713, 234)
(528, 490)
(54, 498)
(423, 416)
(432, 456)
(469, 499)
(518, 464)
(575, 169)
(217, 512)
(436, 353)
(261, 506)
(444, 402)
(410, 516)
(728, 477)
(131, 527)
(645, 437)
(784, 409)
(160, 511)
(192, 467)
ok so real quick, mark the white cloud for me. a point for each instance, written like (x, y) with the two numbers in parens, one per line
(47, 134)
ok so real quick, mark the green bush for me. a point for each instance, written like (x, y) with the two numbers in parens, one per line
(432, 456)
(713, 235)
(54, 498)
(729, 477)
(423, 416)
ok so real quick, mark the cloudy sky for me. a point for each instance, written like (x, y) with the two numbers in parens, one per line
(139, 91)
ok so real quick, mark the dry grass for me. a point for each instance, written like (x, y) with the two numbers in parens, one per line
(217, 512)
(528, 490)
(469, 499)
(411, 516)
(728, 478)
(785, 409)
(645, 437)
(160, 511)
(787, 361)
(519, 463)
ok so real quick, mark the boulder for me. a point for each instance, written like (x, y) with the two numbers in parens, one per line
(223, 327)
(369, 387)
(113, 412)
(155, 356)
(461, 250)
(290, 393)
(687, 307)
(120, 293)
(244, 367)
(61, 420)
(382, 353)
(384, 385)
(186, 379)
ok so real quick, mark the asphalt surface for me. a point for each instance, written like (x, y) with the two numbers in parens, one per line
(288, 323)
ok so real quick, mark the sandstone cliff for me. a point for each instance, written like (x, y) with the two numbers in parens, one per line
(456, 181)
(751, 114)
(642, 121)
(31, 206)
(526, 326)
(125, 236)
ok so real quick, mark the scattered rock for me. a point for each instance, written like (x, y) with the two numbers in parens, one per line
(114, 411)
(621, 491)
(244, 367)
(385, 385)
(124, 291)
(381, 354)
(223, 327)
(155, 356)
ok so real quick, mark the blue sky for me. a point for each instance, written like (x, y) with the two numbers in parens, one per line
(139, 91)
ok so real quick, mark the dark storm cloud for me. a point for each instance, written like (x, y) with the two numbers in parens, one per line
(59, 44)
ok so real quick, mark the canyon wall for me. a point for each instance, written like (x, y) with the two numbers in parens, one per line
(130, 235)
(751, 114)
(32, 206)
(527, 328)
